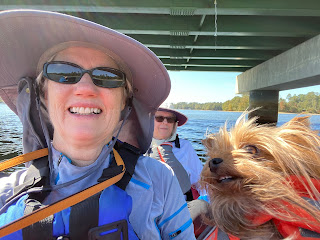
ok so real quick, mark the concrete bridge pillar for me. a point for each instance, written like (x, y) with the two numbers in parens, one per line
(267, 100)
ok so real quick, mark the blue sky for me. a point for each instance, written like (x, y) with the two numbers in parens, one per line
(187, 86)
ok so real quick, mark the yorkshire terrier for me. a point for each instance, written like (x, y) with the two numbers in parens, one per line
(263, 181)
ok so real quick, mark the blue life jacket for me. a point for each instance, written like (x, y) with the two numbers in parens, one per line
(111, 211)
(102, 216)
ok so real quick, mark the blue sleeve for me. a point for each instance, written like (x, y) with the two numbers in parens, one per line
(175, 222)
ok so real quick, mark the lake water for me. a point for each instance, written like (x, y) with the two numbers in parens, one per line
(194, 130)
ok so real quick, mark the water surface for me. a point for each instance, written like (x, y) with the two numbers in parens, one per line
(199, 123)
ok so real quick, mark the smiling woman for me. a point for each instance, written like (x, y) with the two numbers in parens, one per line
(83, 129)
(178, 153)
(90, 105)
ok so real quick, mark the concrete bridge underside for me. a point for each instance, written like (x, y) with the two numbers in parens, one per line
(259, 38)
(295, 68)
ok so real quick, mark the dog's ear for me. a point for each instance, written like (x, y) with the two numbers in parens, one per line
(301, 120)
(207, 142)
(298, 130)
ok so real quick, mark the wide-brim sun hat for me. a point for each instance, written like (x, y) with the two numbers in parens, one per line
(181, 118)
(26, 35)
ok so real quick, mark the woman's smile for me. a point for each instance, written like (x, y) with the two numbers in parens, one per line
(84, 110)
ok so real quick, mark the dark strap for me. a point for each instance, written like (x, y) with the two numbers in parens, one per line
(177, 142)
(130, 155)
(83, 217)
(43, 228)
(189, 196)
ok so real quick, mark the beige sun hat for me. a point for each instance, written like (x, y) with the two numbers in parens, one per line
(181, 118)
(26, 36)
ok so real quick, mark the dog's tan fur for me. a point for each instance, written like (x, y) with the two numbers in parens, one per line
(259, 178)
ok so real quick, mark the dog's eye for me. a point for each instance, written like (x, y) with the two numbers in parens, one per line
(251, 149)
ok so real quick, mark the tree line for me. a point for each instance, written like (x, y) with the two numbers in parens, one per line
(309, 103)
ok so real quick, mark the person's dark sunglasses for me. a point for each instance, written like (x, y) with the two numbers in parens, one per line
(169, 119)
(70, 73)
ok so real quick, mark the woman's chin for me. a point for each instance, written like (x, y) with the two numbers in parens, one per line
(86, 137)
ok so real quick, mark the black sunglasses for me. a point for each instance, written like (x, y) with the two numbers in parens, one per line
(162, 118)
(70, 73)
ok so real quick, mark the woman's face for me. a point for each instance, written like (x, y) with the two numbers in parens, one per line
(83, 113)
(163, 130)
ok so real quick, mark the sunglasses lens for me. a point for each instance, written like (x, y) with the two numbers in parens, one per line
(62, 73)
(159, 119)
(171, 119)
(108, 78)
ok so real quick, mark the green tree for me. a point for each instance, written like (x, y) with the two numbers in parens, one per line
(309, 103)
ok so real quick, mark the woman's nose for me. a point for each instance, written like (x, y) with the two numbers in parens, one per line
(86, 86)
(165, 120)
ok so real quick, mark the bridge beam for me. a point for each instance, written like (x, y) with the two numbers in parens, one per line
(295, 68)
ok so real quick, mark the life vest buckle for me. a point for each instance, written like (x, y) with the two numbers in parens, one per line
(112, 231)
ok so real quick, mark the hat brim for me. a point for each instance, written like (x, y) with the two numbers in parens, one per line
(27, 34)
(181, 118)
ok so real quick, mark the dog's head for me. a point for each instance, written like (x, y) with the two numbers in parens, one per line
(248, 168)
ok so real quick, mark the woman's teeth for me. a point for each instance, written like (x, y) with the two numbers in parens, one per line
(84, 111)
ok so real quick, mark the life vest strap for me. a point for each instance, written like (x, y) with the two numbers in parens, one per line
(83, 217)
(23, 159)
(130, 156)
(62, 204)
(177, 141)
(43, 229)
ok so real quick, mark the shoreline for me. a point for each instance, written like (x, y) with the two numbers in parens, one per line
(243, 111)
(304, 113)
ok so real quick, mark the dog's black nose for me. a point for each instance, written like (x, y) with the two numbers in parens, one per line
(214, 163)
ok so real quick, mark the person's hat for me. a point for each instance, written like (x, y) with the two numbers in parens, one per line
(181, 118)
(26, 35)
